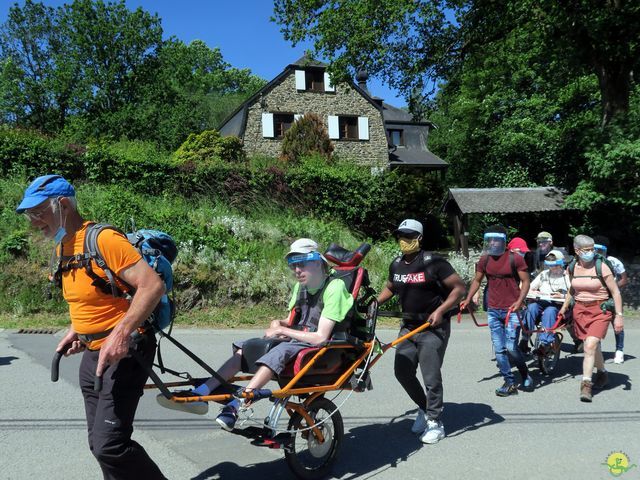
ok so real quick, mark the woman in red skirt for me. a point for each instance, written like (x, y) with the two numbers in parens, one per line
(590, 321)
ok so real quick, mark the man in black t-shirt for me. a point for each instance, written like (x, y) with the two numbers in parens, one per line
(428, 289)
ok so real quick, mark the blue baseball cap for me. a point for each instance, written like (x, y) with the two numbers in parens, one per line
(42, 188)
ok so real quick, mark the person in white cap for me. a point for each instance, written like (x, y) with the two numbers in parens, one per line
(317, 303)
(428, 288)
(554, 283)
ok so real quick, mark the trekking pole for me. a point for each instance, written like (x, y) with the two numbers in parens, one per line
(55, 363)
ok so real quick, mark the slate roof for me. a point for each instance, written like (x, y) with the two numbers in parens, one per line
(504, 200)
(416, 158)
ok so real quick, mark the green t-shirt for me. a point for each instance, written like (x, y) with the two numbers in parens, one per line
(336, 300)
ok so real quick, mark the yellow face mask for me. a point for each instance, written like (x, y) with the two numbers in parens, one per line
(409, 246)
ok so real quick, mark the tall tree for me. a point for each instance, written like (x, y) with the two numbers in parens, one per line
(420, 42)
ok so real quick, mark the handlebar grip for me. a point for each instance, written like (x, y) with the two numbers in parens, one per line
(97, 384)
(55, 362)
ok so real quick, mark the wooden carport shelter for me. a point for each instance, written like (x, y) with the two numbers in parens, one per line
(461, 202)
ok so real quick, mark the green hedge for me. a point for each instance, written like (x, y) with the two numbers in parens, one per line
(339, 191)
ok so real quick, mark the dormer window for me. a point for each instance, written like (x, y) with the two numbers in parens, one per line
(396, 137)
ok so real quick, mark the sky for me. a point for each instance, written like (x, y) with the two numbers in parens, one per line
(239, 28)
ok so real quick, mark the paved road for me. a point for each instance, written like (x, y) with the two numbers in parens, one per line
(545, 434)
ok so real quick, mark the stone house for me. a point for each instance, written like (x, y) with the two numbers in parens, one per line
(362, 127)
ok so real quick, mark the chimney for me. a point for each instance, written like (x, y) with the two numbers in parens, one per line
(361, 77)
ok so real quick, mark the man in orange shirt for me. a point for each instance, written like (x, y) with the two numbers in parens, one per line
(101, 325)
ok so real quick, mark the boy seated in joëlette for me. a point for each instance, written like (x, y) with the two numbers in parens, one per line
(320, 303)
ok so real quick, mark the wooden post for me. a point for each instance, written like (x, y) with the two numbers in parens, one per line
(465, 236)
(456, 232)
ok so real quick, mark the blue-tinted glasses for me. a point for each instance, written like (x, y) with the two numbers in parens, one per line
(554, 263)
(600, 248)
(303, 259)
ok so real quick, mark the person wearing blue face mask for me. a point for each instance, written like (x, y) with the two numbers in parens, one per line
(552, 283)
(508, 283)
(622, 279)
(592, 286)
(101, 325)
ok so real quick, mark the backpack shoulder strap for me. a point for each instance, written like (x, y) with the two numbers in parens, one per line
(599, 262)
(571, 268)
(92, 249)
(514, 270)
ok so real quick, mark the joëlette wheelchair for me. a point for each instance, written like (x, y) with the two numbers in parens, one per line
(315, 428)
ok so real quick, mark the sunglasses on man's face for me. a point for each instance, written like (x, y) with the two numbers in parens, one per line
(36, 213)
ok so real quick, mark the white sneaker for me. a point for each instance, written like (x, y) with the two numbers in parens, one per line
(434, 432)
(420, 423)
(619, 358)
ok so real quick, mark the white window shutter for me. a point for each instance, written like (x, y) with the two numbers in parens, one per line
(363, 128)
(334, 129)
(297, 116)
(267, 125)
(301, 83)
(328, 86)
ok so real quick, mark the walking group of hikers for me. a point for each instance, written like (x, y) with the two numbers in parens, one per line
(111, 293)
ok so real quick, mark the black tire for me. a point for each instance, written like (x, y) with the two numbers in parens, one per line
(547, 363)
(306, 458)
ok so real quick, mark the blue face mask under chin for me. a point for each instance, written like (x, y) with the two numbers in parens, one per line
(60, 234)
(587, 256)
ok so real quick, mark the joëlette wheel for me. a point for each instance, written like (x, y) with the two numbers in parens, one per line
(309, 458)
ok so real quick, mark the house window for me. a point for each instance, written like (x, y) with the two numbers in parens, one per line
(281, 123)
(314, 80)
(348, 128)
(396, 137)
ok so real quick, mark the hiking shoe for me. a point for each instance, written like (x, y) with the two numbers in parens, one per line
(600, 380)
(227, 417)
(198, 408)
(527, 384)
(433, 433)
(619, 358)
(585, 391)
(507, 389)
(420, 423)
(523, 346)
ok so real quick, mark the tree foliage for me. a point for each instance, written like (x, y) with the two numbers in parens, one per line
(415, 43)
(307, 136)
(528, 93)
(94, 69)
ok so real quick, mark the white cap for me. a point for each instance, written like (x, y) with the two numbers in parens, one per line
(409, 226)
(556, 253)
(303, 246)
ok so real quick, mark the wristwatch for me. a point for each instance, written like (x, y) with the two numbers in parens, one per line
(618, 314)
